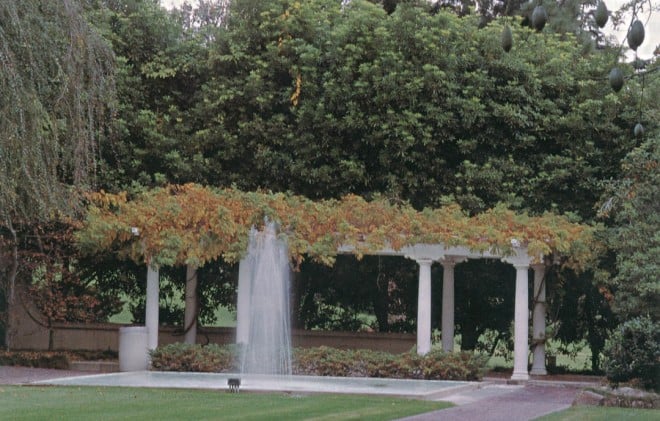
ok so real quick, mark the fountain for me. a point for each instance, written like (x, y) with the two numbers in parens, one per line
(263, 316)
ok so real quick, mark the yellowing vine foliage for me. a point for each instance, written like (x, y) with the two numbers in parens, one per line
(193, 224)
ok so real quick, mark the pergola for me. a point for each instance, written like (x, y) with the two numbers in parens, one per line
(190, 224)
(426, 254)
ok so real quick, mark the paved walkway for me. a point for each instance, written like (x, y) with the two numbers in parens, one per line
(501, 402)
(26, 375)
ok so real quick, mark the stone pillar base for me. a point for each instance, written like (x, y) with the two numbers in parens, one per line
(520, 376)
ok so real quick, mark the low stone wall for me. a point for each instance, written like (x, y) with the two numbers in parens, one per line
(391, 342)
(102, 337)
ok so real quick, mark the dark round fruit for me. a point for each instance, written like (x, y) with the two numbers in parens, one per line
(507, 39)
(616, 79)
(636, 35)
(602, 14)
(539, 17)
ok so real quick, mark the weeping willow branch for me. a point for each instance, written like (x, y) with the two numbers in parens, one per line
(56, 76)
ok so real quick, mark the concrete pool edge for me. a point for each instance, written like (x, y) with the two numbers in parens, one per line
(419, 389)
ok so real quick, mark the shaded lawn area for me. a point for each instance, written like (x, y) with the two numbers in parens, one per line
(600, 413)
(108, 403)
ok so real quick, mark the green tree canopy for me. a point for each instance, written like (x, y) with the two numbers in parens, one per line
(635, 236)
(322, 101)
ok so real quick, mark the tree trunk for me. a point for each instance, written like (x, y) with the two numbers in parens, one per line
(191, 310)
(596, 345)
(469, 335)
(295, 300)
(10, 291)
(595, 361)
(379, 300)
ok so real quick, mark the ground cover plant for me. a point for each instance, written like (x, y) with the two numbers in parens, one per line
(325, 361)
(38, 403)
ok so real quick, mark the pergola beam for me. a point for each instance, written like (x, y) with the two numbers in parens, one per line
(151, 307)
(447, 322)
(538, 321)
(243, 302)
(424, 307)
(521, 325)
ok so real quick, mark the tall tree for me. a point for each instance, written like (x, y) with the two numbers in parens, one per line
(634, 234)
(161, 63)
(57, 81)
(56, 76)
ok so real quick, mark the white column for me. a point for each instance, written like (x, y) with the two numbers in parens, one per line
(190, 310)
(448, 304)
(538, 321)
(424, 307)
(243, 301)
(151, 313)
(521, 324)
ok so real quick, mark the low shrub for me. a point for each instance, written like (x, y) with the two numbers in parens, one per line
(632, 354)
(107, 355)
(35, 359)
(453, 365)
(194, 358)
(324, 361)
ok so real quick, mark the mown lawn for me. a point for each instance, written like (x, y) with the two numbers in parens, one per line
(115, 403)
(599, 413)
(224, 316)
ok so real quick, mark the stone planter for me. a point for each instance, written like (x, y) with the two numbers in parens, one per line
(133, 351)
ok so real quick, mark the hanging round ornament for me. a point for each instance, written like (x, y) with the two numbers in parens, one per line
(616, 79)
(602, 14)
(507, 38)
(539, 18)
(636, 35)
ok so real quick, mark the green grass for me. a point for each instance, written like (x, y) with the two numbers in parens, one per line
(123, 317)
(224, 317)
(581, 361)
(599, 413)
(114, 403)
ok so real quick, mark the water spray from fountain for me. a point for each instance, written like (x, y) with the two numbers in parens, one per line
(263, 313)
